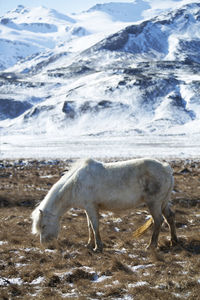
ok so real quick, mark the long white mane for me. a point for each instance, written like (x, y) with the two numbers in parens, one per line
(54, 193)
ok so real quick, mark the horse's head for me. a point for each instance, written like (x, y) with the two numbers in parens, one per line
(46, 225)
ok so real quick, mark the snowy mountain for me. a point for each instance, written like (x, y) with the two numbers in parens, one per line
(26, 32)
(124, 12)
(134, 81)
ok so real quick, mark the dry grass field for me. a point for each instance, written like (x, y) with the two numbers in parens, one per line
(68, 270)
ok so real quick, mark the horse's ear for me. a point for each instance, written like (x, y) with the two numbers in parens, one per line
(41, 212)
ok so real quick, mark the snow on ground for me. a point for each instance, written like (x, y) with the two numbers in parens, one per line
(81, 147)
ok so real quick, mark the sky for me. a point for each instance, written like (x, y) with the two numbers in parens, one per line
(64, 6)
(75, 6)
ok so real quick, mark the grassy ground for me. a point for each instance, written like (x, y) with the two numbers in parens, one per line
(125, 270)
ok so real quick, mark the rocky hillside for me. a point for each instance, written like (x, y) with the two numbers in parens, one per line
(142, 79)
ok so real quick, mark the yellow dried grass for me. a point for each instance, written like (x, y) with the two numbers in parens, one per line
(138, 232)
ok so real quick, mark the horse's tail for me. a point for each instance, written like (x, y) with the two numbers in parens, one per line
(138, 232)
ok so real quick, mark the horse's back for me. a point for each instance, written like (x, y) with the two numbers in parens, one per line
(123, 172)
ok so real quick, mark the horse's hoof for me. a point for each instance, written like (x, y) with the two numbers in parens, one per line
(150, 247)
(153, 252)
(90, 246)
(98, 249)
(174, 243)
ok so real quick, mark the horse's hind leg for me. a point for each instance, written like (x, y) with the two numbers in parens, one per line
(170, 217)
(91, 243)
(158, 220)
(93, 215)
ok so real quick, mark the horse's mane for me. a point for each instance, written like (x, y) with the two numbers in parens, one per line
(35, 216)
(52, 194)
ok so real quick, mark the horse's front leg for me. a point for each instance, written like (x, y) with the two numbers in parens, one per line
(91, 243)
(93, 216)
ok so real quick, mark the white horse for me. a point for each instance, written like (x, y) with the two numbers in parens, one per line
(94, 186)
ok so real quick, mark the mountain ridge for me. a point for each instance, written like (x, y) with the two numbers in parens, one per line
(140, 80)
(125, 12)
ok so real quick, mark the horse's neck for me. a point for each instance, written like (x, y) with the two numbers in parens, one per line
(58, 200)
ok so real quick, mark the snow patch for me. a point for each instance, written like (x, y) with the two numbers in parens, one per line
(139, 283)
(141, 267)
(38, 280)
(7, 281)
(3, 243)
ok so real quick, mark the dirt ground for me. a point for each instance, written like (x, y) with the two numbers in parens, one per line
(125, 270)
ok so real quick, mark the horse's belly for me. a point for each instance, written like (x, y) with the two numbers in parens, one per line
(120, 201)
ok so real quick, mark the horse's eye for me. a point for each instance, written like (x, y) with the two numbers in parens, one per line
(43, 226)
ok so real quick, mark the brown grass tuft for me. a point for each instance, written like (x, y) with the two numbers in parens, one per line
(119, 266)
(79, 274)
(54, 281)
